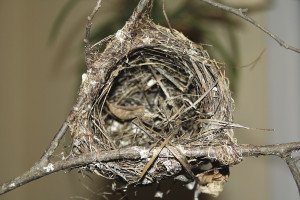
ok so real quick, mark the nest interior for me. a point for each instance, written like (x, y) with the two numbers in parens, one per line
(156, 92)
(150, 84)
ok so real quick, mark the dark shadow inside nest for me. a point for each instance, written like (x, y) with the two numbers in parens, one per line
(168, 188)
(154, 93)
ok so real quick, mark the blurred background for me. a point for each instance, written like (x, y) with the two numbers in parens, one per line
(41, 61)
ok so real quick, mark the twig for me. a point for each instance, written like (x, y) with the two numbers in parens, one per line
(55, 142)
(281, 150)
(256, 7)
(284, 151)
(103, 41)
(291, 162)
(254, 63)
(144, 6)
(41, 166)
(133, 153)
(240, 13)
(166, 16)
(88, 27)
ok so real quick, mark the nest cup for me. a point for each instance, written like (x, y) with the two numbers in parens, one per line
(156, 92)
(148, 85)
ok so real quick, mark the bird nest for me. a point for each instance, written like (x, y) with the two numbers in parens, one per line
(153, 88)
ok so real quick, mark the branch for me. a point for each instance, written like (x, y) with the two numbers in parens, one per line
(134, 153)
(42, 165)
(240, 13)
(144, 6)
(284, 151)
(88, 27)
(280, 150)
(55, 142)
(291, 162)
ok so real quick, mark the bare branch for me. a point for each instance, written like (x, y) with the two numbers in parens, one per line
(166, 16)
(42, 165)
(43, 169)
(281, 150)
(133, 153)
(55, 142)
(241, 13)
(88, 27)
(291, 162)
(144, 6)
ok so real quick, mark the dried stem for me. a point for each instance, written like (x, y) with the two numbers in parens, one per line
(134, 153)
(241, 13)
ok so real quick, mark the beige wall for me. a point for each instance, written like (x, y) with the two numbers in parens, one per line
(249, 180)
(36, 93)
(38, 84)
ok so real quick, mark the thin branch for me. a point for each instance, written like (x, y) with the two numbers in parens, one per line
(88, 27)
(133, 153)
(144, 6)
(256, 7)
(280, 150)
(284, 151)
(291, 162)
(166, 16)
(103, 41)
(55, 142)
(254, 63)
(42, 165)
(241, 13)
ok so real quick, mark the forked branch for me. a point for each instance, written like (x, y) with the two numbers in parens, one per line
(40, 167)
(241, 13)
